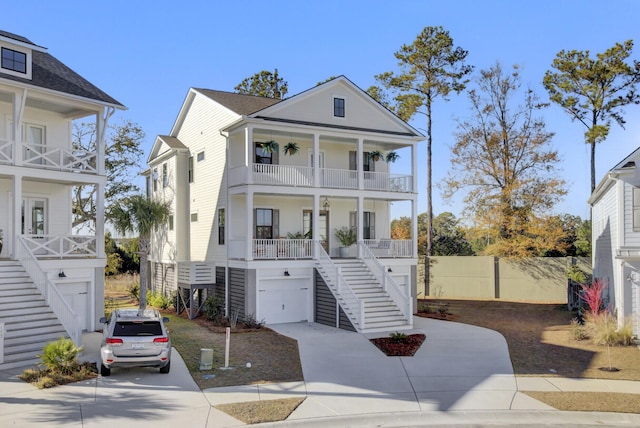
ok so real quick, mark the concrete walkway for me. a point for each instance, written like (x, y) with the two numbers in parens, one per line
(462, 375)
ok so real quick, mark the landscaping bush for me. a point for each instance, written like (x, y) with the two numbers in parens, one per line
(134, 291)
(251, 322)
(603, 330)
(398, 337)
(578, 330)
(61, 356)
(214, 309)
(158, 300)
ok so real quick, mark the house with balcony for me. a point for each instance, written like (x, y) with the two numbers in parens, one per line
(615, 223)
(51, 280)
(258, 188)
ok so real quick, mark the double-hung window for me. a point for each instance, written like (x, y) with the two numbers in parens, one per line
(266, 223)
(368, 223)
(221, 226)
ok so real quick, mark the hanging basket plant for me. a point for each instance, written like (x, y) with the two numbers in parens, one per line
(392, 157)
(376, 155)
(290, 148)
(269, 146)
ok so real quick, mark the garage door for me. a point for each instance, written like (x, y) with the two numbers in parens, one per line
(282, 302)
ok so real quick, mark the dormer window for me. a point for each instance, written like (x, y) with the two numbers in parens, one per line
(338, 107)
(14, 60)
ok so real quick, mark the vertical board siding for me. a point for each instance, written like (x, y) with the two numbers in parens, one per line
(164, 278)
(325, 306)
(237, 287)
(220, 281)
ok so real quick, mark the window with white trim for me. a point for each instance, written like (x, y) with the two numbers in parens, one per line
(165, 175)
(368, 223)
(14, 60)
(338, 107)
(636, 209)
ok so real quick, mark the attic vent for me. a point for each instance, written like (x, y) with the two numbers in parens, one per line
(630, 164)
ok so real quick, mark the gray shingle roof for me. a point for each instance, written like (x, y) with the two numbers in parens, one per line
(172, 142)
(49, 73)
(239, 103)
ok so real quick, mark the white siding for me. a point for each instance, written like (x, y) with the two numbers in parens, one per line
(604, 239)
(631, 237)
(201, 132)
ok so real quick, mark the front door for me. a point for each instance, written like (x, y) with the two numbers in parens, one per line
(323, 227)
(34, 217)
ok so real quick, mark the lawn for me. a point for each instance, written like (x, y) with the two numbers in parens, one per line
(540, 344)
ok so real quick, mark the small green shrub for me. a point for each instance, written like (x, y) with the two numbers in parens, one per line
(578, 331)
(214, 309)
(398, 337)
(134, 291)
(61, 356)
(173, 300)
(158, 300)
(251, 322)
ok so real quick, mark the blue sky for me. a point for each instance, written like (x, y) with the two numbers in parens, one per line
(147, 54)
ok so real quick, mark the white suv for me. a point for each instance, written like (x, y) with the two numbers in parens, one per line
(134, 338)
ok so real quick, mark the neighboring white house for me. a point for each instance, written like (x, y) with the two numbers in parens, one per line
(51, 281)
(616, 237)
(258, 227)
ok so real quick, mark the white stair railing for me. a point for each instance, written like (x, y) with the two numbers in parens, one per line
(330, 272)
(54, 299)
(402, 301)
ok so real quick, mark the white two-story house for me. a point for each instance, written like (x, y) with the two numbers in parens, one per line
(51, 281)
(616, 238)
(258, 188)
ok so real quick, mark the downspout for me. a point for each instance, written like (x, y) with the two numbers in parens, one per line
(227, 309)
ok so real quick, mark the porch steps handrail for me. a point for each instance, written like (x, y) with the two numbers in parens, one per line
(402, 301)
(330, 272)
(54, 299)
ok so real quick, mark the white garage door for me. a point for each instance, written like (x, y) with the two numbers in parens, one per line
(281, 302)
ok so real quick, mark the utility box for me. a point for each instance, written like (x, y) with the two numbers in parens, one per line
(206, 359)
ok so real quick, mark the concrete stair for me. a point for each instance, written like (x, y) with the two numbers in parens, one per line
(381, 313)
(29, 322)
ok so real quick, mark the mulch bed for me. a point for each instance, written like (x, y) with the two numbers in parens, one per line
(399, 348)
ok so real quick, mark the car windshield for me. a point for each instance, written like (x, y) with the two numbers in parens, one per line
(131, 328)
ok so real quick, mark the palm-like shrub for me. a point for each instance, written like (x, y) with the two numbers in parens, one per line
(61, 356)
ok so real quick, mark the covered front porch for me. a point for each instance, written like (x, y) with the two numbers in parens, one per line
(286, 226)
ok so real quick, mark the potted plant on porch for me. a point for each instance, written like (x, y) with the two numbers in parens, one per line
(347, 237)
(291, 148)
(376, 155)
(269, 146)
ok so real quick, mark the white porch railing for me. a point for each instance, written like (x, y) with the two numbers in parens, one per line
(388, 182)
(69, 319)
(390, 247)
(338, 178)
(6, 151)
(403, 301)
(330, 272)
(297, 176)
(282, 249)
(43, 156)
(196, 272)
(60, 246)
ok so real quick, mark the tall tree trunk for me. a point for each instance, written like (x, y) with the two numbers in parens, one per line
(593, 166)
(144, 251)
(429, 252)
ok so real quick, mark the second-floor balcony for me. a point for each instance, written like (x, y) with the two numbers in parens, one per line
(303, 176)
(47, 157)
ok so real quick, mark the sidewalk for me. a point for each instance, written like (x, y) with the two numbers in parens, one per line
(463, 376)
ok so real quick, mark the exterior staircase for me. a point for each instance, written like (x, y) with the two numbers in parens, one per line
(28, 322)
(380, 313)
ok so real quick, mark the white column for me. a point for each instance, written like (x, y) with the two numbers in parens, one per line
(19, 100)
(360, 215)
(414, 168)
(17, 214)
(100, 221)
(248, 152)
(316, 220)
(316, 162)
(414, 227)
(360, 165)
(250, 226)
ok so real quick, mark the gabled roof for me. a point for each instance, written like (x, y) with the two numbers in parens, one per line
(239, 103)
(49, 73)
(627, 164)
(172, 143)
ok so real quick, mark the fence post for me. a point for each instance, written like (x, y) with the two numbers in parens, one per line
(496, 277)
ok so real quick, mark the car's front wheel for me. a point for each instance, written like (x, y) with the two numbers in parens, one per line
(166, 368)
(105, 371)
